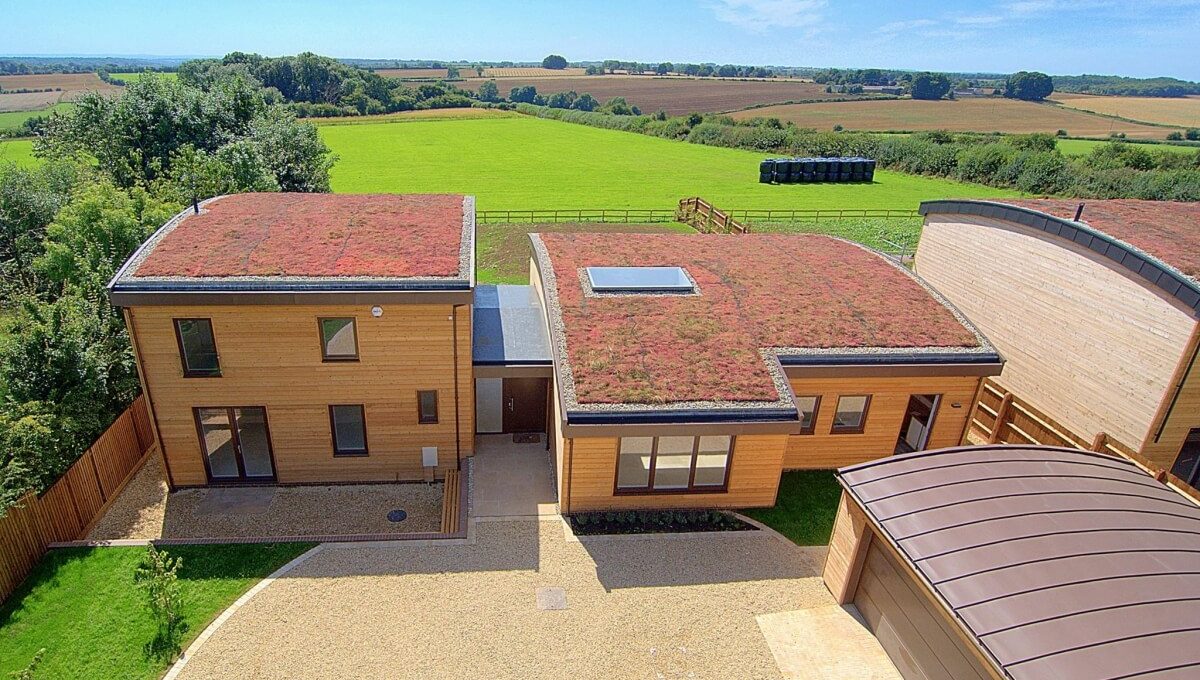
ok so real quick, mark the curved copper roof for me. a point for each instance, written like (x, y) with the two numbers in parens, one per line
(1059, 563)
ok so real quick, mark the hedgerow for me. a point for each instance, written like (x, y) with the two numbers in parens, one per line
(1029, 163)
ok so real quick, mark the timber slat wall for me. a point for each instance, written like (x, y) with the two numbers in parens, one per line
(1001, 417)
(67, 510)
(707, 219)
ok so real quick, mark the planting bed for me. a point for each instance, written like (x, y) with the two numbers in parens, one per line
(654, 522)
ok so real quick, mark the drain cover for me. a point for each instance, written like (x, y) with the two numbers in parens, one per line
(397, 516)
(551, 599)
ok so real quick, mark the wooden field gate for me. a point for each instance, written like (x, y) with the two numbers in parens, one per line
(707, 219)
(69, 508)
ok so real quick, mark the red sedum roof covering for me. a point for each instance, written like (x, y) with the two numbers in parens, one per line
(756, 291)
(1166, 230)
(313, 235)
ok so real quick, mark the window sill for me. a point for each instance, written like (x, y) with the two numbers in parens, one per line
(859, 430)
(339, 360)
(202, 375)
(351, 454)
(671, 492)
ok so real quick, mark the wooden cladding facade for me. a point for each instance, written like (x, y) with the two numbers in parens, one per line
(271, 356)
(588, 472)
(1085, 340)
(885, 417)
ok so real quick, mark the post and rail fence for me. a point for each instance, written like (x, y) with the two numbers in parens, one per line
(706, 218)
(70, 507)
(1001, 417)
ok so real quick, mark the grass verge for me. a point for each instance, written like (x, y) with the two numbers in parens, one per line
(805, 508)
(82, 606)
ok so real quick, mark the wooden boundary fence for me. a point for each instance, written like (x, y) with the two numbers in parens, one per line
(658, 216)
(1001, 417)
(602, 215)
(706, 218)
(68, 509)
(814, 216)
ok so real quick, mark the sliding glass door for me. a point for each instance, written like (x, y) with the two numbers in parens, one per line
(236, 443)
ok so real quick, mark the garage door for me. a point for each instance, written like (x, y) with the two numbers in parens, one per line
(907, 624)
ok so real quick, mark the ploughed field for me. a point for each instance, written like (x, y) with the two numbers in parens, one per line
(527, 163)
(674, 95)
(983, 114)
(1184, 111)
(63, 87)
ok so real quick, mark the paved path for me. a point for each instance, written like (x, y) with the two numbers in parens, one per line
(636, 607)
(825, 643)
(512, 480)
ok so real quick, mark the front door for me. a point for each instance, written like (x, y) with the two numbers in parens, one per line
(235, 443)
(525, 404)
(918, 421)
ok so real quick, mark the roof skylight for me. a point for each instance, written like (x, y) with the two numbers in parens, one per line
(640, 280)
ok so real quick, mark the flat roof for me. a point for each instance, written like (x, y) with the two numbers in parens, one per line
(1058, 563)
(1157, 240)
(310, 242)
(508, 327)
(760, 300)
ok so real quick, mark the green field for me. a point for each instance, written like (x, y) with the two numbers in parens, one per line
(14, 119)
(130, 77)
(19, 151)
(82, 606)
(1082, 147)
(526, 163)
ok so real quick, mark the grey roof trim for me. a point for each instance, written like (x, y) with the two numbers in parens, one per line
(1154, 271)
(125, 288)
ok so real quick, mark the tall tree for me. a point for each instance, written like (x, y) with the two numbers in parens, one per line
(554, 61)
(930, 86)
(1028, 85)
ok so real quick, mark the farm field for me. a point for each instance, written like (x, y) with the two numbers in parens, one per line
(67, 82)
(406, 73)
(674, 95)
(19, 151)
(528, 163)
(13, 119)
(1082, 147)
(418, 115)
(529, 72)
(20, 102)
(130, 77)
(964, 115)
(1182, 111)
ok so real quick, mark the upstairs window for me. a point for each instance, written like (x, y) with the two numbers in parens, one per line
(339, 339)
(851, 414)
(197, 348)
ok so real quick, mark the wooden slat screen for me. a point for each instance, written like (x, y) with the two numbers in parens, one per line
(67, 510)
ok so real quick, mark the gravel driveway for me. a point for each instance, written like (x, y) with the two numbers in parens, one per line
(658, 607)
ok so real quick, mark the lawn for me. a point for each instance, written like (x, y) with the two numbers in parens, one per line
(503, 249)
(81, 605)
(19, 151)
(526, 163)
(805, 508)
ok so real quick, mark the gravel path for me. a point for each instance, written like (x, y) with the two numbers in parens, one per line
(645, 608)
(145, 510)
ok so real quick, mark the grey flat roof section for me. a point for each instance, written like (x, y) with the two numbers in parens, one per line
(509, 327)
(1060, 563)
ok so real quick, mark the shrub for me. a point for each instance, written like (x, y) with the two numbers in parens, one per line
(27, 673)
(1061, 133)
(1036, 141)
(1192, 134)
(1175, 136)
(158, 576)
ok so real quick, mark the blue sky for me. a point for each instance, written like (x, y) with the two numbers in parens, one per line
(1134, 37)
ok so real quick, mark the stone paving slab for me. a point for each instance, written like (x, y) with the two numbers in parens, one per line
(825, 643)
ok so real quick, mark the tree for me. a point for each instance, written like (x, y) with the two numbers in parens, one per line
(930, 86)
(1028, 85)
(29, 200)
(158, 576)
(555, 62)
(562, 100)
(526, 94)
(1192, 133)
(619, 107)
(452, 73)
(479, 71)
(664, 68)
(585, 102)
(488, 92)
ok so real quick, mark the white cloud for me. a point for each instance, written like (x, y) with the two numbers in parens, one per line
(979, 20)
(901, 26)
(761, 15)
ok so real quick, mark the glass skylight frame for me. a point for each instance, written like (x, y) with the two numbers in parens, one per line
(666, 280)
